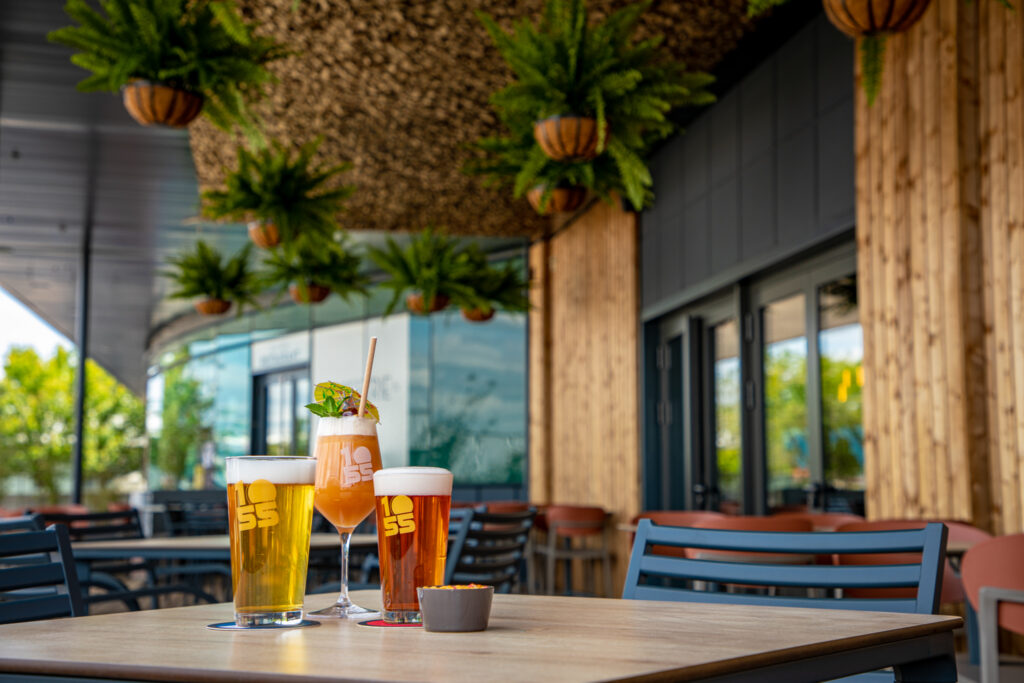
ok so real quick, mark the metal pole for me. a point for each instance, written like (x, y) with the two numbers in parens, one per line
(82, 318)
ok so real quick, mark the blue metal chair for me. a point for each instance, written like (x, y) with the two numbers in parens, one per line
(102, 574)
(663, 577)
(37, 576)
(488, 548)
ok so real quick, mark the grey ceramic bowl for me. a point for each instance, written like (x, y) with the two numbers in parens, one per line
(455, 609)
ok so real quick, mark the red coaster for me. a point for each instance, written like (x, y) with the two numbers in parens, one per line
(383, 624)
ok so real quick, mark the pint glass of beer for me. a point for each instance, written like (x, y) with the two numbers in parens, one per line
(412, 535)
(270, 514)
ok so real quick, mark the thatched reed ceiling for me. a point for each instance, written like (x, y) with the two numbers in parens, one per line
(400, 89)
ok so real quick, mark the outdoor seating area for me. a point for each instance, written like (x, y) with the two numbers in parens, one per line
(562, 340)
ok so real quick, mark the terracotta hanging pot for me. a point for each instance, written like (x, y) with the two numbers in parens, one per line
(264, 234)
(568, 138)
(155, 103)
(313, 293)
(858, 18)
(212, 306)
(562, 199)
(414, 302)
(478, 315)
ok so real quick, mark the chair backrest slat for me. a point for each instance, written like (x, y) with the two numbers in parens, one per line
(36, 560)
(905, 605)
(96, 526)
(31, 522)
(650, 574)
(488, 547)
(31, 576)
(810, 576)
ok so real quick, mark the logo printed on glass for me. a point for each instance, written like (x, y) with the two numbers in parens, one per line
(398, 517)
(362, 469)
(260, 510)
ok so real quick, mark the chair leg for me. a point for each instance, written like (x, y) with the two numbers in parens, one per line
(606, 562)
(549, 578)
(988, 631)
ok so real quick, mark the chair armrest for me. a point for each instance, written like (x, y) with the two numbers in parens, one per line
(992, 595)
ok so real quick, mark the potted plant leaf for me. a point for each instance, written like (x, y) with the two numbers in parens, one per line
(494, 287)
(312, 269)
(218, 282)
(566, 68)
(282, 194)
(172, 59)
(431, 271)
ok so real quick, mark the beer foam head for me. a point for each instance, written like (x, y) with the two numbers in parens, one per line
(412, 481)
(350, 424)
(277, 470)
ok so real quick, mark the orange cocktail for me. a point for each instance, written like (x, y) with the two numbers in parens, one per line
(347, 455)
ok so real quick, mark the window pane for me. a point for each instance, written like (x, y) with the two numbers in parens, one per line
(727, 414)
(842, 378)
(302, 394)
(785, 401)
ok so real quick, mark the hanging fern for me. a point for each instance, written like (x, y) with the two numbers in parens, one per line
(202, 46)
(203, 272)
(563, 65)
(284, 187)
(332, 264)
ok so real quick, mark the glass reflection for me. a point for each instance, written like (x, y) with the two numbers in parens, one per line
(785, 401)
(842, 379)
(725, 338)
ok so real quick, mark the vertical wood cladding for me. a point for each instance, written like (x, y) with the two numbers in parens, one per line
(940, 205)
(584, 436)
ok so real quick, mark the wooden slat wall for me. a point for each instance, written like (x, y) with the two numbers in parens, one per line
(585, 447)
(940, 204)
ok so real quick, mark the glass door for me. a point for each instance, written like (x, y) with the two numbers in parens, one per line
(280, 419)
(757, 396)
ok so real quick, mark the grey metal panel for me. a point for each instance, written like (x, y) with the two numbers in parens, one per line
(724, 140)
(835, 65)
(695, 242)
(725, 225)
(650, 262)
(836, 169)
(791, 120)
(696, 158)
(757, 113)
(796, 179)
(795, 84)
(757, 207)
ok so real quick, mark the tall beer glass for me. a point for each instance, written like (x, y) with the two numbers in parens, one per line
(270, 514)
(412, 535)
(347, 455)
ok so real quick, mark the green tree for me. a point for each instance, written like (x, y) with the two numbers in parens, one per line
(183, 428)
(36, 422)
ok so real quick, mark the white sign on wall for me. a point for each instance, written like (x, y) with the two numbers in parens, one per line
(288, 351)
(339, 352)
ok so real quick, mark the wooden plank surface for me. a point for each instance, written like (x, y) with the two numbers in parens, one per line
(530, 638)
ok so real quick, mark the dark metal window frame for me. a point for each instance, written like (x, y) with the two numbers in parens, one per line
(258, 439)
(680, 445)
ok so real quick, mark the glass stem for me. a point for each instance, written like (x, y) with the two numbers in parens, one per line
(343, 600)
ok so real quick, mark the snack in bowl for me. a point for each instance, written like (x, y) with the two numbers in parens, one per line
(455, 608)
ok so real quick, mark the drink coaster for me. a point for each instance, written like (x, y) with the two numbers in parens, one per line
(383, 624)
(232, 626)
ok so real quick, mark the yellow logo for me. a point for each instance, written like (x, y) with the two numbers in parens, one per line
(398, 517)
(260, 510)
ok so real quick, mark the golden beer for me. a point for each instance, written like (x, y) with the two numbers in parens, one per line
(412, 505)
(270, 515)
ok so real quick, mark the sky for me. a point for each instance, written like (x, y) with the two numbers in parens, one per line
(21, 327)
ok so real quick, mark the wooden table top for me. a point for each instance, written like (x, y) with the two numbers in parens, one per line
(530, 638)
(205, 543)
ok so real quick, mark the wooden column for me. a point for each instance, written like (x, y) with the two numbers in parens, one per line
(939, 207)
(584, 369)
